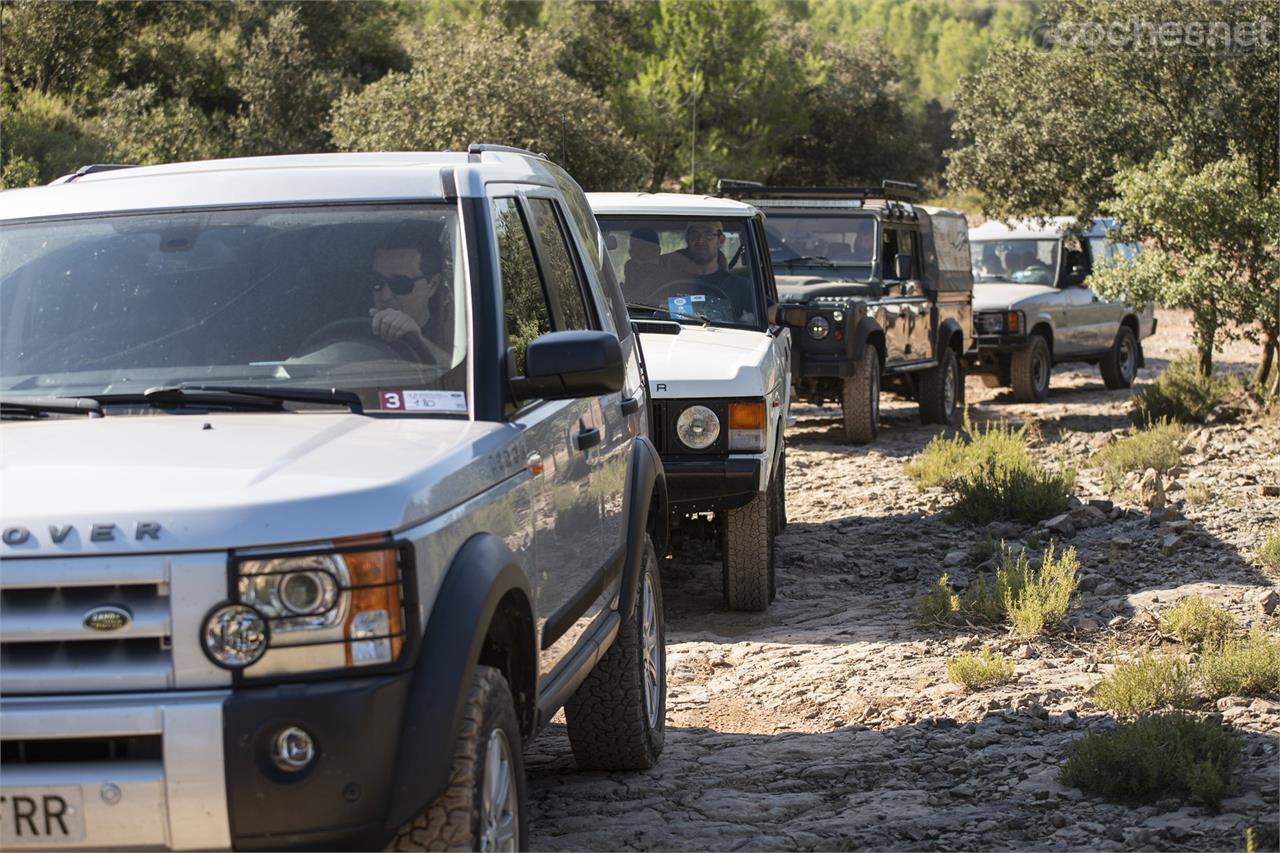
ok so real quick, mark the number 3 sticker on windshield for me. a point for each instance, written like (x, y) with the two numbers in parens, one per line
(410, 400)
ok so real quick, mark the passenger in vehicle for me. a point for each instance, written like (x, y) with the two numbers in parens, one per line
(409, 292)
(990, 264)
(864, 244)
(643, 268)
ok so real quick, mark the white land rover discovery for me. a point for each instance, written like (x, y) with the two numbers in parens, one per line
(696, 274)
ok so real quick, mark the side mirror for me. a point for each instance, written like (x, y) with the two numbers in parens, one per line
(902, 266)
(566, 365)
(794, 316)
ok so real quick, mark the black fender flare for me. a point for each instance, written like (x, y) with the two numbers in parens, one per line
(482, 573)
(946, 331)
(862, 332)
(646, 485)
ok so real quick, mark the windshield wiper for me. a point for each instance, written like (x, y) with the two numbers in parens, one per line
(701, 318)
(249, 396)
(810, 260)
(36, 406)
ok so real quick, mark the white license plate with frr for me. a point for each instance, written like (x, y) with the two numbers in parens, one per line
(37, 815)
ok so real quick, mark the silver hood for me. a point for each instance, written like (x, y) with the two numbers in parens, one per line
(231, 480)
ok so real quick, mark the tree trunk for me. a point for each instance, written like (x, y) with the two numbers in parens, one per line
(1268, 357)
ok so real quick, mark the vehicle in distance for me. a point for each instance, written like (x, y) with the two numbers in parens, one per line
(883, 285)
(326, 485)
(695, 272)
(1033, 307)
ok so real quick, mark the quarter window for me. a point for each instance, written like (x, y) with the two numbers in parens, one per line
(558, 266)
(523, 300)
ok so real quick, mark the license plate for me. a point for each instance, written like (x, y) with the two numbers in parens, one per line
(41, 815)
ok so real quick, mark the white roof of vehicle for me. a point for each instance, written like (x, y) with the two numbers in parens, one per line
(668, 204)
(1034, 229)
(305, 178)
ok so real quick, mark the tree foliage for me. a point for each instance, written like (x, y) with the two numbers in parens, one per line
(527, 102)
(1211, 245)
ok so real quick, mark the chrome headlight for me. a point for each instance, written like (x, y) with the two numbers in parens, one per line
(305, 612)
(818, 328)
(698, 427)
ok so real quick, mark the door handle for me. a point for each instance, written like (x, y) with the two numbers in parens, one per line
(630, 405)
(587, 437)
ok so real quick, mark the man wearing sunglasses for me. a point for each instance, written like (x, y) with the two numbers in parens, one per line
(409, 296)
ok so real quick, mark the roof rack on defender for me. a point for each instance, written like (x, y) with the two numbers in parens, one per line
(888, 190)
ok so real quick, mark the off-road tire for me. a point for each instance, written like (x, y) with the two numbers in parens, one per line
(455, 820)
(1030, 369)
(860, 399)
(746, 535)
(610, 726)
(1120, 365)
(935, 408)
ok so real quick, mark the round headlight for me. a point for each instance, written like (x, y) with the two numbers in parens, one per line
(304, 593)
(818, 328)
(235, 636)
(698, 427)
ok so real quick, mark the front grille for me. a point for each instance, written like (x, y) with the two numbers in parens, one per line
(46, 645)
(79, 750)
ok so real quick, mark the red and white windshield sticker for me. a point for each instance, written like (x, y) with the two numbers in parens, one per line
(410, 400)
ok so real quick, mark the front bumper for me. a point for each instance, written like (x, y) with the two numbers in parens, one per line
(211, 784)
(999, 343)
(714, 483)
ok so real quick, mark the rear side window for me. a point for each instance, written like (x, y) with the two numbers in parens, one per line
(558, 266)
(524, 302)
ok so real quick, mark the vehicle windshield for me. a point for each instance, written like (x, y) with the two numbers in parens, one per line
(689, 267)
(369, 299)
(1024, 261)
(805, 240)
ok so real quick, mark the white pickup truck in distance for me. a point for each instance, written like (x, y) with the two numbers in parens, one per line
(1033, 307)
(695, 272)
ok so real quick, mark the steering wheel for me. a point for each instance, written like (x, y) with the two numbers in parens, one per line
(361, 329)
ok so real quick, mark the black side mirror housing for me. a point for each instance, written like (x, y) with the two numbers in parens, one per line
(902, 267)
(567, 365)
(793, 316)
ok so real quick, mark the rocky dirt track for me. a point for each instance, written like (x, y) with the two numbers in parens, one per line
(829, 722)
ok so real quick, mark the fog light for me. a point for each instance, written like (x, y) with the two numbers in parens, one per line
(235, 636)
(818, 328)
(293, 749)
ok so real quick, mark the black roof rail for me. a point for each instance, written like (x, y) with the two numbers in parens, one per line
(92, 168)
(477, 148)
(888, 190)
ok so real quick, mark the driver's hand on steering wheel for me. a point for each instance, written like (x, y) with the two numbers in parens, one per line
(391, 324)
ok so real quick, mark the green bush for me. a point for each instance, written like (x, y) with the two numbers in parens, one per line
(974, 672)
(1146, 684)
(1248, 667)
(947, 459)
(1168, 754)
(1032, 600)
(1181, 393)
(1269, 552)
(939, 605)
(1155, 446)
(984, 549)
(989, 604)
(1044, 599)
(1195, 621)
(991, 474)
